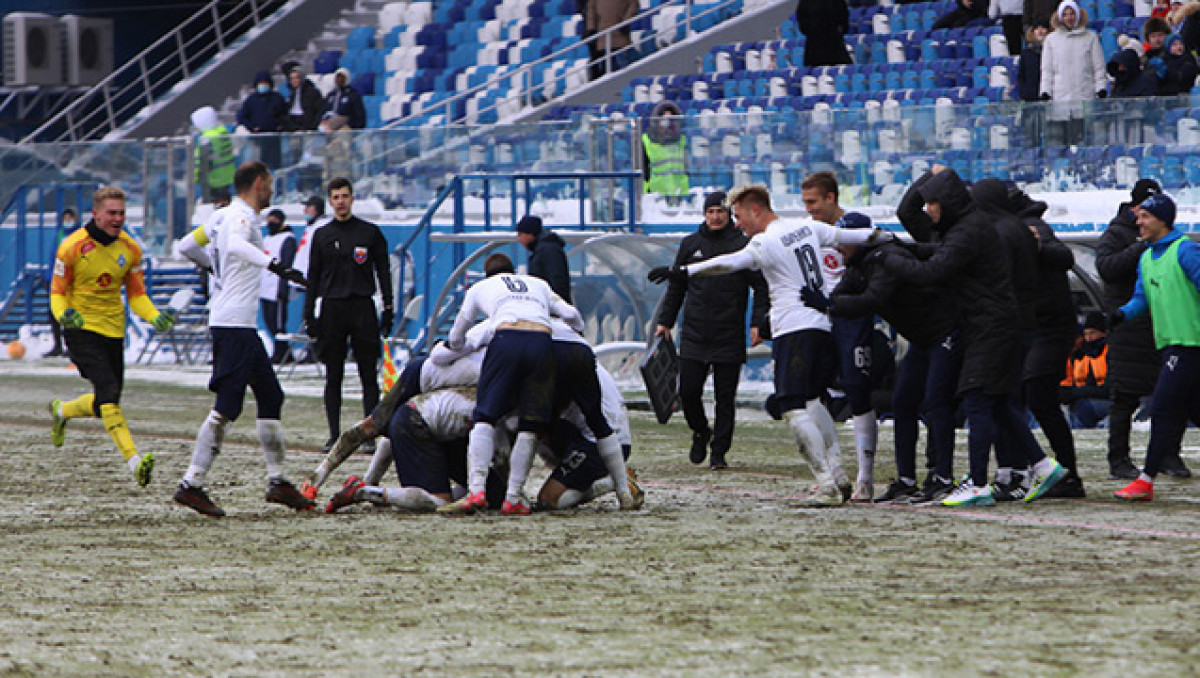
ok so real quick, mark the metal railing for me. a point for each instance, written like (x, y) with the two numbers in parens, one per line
(533, 93)
(149, 76)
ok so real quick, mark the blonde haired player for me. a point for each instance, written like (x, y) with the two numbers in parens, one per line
(90, 268)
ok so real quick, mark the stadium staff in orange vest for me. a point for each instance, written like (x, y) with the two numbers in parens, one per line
(1084, 389)
(91, 267)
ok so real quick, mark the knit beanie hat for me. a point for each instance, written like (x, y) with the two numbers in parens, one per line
(1161, 206)
(530, 224)
(1144, 188)
(715, 200)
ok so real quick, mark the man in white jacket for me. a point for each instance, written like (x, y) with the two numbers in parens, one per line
(1072, 72)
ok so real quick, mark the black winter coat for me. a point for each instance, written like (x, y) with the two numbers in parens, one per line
(1054, 306)
(981, 282)
(548, 261)
(824, 24)
(1181, 75)
(991, 198)
(312, 104)
(922, 314)
(348, 102)
(1029, 73)
(714, 307)
(1133, 362)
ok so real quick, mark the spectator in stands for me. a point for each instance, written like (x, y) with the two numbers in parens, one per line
(965, 13)
(1011, 14)
(1154, 37)
(1029, 83)
(263, 112)
(304, 103)
(664, 153)
(712, 336)
(1072, 71)
(603, 15)
(1185, 20)
(215, 163)
(1038, 12)
(824, 24)
(1179, 68)
(273, 293)
(1084, 389)
(344, 105)
(547, 259)
(1133, 361)
(1129, 78)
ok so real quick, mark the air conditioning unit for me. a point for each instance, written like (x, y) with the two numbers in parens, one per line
(32, 50)
(89, 49)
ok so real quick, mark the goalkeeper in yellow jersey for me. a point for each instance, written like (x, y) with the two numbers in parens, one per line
(91, 267)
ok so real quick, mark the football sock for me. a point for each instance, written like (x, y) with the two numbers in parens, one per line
(614, 461)
(866, 435)
(480, 448)
(519, 464)
(380, 462)
(83, 406)
(812, 445)
(1003, 476)
(270, 437)
(207, 447)
(598, 489)
(570, 498)
(833, 449)
(1145, 478)
(1044, 465)
(412, 498)
(118, 430)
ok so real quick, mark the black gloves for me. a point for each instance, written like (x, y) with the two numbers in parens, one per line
(661, 274)
(386, 320)
(1102, 94)
(289, 274)
(1116, 318)
(815, 299)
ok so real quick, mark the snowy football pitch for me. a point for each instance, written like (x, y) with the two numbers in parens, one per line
(719, 575)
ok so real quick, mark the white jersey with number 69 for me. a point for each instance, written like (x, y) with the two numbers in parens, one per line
(789, 255)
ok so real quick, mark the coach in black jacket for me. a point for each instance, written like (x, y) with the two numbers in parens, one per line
(547, 255)
(348, 264)
(713, 335)
(1133, 362)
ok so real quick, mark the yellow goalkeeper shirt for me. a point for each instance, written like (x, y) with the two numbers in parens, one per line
(88, 277)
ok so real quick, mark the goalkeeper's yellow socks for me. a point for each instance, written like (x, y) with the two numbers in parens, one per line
(118, 430)
(83, 406)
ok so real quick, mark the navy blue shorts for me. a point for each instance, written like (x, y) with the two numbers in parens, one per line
(575, 380)
(240, 360)
(804, 366)
(580, 464)
(517, 375)
(421, 461)
(852, 337)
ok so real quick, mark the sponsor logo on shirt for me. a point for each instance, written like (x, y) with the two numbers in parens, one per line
(104, 280)
(86, 247)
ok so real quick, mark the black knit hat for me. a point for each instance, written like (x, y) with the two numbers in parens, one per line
(318, 202)
(530, 224)
(715, 200)
(1144, 188)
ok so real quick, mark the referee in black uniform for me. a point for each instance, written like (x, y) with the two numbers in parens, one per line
(348, 265)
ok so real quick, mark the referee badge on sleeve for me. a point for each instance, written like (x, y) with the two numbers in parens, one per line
(360, 255)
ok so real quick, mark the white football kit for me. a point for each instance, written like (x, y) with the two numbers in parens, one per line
(510, 298)
(238, 260)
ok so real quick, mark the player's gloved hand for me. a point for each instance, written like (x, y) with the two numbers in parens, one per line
(164, 321)
(660, 274)
(71, 320)
(289, 274)
(312, 327)
(815, 299)
(1116, 318)
(880, 236)
(387, 320)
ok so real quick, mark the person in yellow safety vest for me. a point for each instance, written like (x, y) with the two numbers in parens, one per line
(664, 153)
(215, 163)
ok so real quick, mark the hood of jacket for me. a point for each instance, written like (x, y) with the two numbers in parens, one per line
(990, 195)
(205, 118)
(1125, 66)
(1024, 206)
(548, 237)
(263, 76)
(1056, 23)
(948, 189)
(662, 130)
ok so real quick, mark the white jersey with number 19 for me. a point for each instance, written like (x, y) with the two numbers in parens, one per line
(788, 253)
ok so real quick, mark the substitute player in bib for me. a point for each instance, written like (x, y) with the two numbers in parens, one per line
(788, 254)
(91, 267)
(239, 357)
(1168, 287)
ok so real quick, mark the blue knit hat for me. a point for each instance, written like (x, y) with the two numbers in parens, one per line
(1161, 206)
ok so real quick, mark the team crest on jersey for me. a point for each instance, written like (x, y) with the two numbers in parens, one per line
(831, 261)
(360, 255)
(121, 261)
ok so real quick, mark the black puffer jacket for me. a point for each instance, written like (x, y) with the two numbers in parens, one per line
(922, 313)
(714, 307)
(1133, 362)
(548, 261)
(981, 282)
(1054, 307)
(991, 197)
